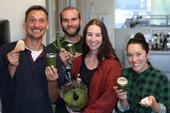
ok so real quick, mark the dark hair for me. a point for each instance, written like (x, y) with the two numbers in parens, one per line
(69, 8)
(105, 50)
(139, 39)
(35, 7)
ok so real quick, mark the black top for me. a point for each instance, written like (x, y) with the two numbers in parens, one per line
(27, 91)
(86, 74)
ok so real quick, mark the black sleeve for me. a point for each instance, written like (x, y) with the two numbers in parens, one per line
(61, 72)
(6, 83)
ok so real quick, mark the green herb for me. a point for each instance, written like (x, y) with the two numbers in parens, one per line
(58, 42)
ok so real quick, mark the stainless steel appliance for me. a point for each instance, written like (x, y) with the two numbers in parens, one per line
(160, 40)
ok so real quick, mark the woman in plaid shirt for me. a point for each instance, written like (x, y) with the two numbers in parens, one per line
(148, 88)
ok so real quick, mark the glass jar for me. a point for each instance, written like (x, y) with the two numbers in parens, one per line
(70, 48)
(51, 59)
(122, 83)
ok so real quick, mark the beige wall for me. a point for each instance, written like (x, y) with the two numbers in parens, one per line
(103, 9)
(90, 9)
(14, 10)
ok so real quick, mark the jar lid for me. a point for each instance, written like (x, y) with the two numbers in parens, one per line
(122, 81)
(50, 55)
(69, 45)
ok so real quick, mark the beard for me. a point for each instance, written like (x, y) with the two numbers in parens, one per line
(73, 34)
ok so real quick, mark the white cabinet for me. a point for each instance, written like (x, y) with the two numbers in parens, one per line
(161, 60)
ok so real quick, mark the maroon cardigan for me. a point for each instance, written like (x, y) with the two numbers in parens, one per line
(102, 97)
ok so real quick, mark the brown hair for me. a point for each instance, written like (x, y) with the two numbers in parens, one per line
(35, 7)
(105, 50)
(139, 39)
(69, 8)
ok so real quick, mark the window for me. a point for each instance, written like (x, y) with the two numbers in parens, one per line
(128, 9)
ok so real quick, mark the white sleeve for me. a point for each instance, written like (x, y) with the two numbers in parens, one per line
(162, 108)
(121, 108)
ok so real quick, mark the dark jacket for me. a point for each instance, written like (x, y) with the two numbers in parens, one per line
(27, 91)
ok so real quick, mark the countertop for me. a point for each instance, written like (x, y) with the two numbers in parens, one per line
(159, 52)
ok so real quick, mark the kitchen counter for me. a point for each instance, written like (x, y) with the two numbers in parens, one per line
(155, 52)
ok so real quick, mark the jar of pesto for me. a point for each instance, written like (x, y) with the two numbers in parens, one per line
(122, 83)
(70, 48)
(51, 59)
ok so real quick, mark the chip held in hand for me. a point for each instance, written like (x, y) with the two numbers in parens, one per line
(20, 46)
(145, 101)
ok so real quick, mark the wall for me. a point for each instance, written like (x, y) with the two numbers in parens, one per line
(103, 10)
(54, 11)
(14, 11)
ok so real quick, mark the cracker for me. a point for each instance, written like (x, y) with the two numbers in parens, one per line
(20, 46)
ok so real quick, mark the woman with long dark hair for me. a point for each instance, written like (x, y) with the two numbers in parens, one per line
(98, 67)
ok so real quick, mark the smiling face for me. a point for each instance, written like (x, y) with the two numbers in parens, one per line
(137, 57)
(94, 38)
(71, 22)
(36, 24)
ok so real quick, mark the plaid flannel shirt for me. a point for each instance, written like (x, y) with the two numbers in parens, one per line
(150, 82)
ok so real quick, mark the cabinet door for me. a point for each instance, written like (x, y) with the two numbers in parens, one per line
(161, 61)
(168, 75)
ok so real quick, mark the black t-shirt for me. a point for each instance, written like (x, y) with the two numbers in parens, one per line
(86, 74)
